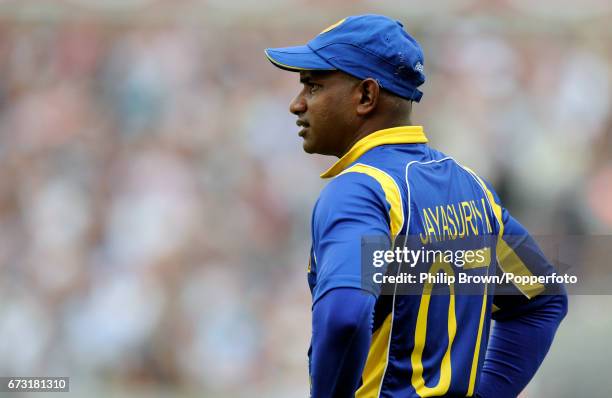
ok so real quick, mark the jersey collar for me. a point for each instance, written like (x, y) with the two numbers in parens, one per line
(395, 135)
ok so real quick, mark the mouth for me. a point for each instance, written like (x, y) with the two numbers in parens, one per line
(304, 125)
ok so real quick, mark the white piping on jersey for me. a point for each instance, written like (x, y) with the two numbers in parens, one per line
(393, 243)
(408, 185)
(382, 379)
(400, 267)
(484, 191)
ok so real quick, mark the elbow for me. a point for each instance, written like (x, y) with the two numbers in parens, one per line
(343, 313)
(343, 327)
(563, 306)
(557, 304)
(556, 308)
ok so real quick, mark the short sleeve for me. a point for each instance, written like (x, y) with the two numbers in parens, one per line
(351, 206)
(518, 253)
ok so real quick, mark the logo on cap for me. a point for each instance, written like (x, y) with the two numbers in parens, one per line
(418, 67)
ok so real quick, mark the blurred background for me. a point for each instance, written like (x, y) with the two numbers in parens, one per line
(155, 200)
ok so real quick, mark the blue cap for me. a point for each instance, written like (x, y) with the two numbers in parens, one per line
(364, 46)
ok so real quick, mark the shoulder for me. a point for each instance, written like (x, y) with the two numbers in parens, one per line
(349, 189)
(364, 194)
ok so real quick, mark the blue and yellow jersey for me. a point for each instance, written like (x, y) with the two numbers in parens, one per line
(391, 183)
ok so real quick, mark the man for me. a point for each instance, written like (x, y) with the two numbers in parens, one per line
(360, 77)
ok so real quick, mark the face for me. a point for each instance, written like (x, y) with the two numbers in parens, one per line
(325, 111)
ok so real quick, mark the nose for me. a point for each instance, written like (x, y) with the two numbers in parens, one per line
(297, 105)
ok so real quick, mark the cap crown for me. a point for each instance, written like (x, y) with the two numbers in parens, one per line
(373, 46)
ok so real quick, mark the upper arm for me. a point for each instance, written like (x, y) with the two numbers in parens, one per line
(351, 207)
(518, 253)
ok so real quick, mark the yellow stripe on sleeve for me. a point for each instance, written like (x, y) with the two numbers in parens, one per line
(486, 261)
(378, 354)
(508, 260)
(392, 194)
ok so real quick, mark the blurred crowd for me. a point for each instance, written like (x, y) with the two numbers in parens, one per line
(155, 201)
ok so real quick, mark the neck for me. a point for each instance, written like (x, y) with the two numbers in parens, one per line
(366, 130)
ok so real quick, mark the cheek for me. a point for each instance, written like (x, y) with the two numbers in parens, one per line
(333, 111)
(338, 115)
(331, 120)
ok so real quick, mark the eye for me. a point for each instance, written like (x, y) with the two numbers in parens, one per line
(312, 87)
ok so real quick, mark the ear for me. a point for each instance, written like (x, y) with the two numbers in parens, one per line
(369, 91)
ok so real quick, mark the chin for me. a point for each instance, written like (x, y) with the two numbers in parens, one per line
(308, 147)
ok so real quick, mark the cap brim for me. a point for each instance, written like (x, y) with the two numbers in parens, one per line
(297, 58)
